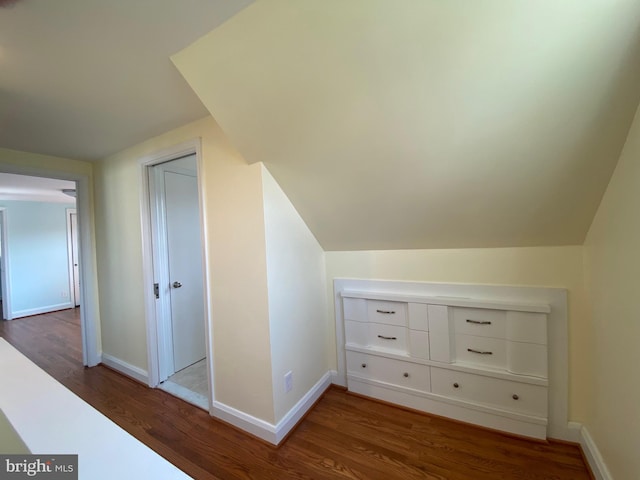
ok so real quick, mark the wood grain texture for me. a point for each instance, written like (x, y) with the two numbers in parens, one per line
(343, 437)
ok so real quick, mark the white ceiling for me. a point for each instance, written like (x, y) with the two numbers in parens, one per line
(34, 189)
(428, 123)
(86, 78)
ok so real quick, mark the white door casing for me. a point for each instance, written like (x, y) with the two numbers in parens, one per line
(74, 258)
(180, 331)
(4, 270)
(89, 315)
(158, 308)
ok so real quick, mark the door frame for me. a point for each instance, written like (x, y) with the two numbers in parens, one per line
(72, 287)
(4, 267)
(89, 314)
(156, 312)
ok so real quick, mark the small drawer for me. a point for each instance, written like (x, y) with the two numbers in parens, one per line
(527, 327)
(389, 313)
(356, 333)
(482, 351)
(419, 344)
(527, 359)
(355, 309)
(388, 370)
(494, 392)
(477, 321)
(388, 337)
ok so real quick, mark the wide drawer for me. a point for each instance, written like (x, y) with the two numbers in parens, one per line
(388, 337)
(390, 313)
(504, 394)
(481, 322)
(481, 351)
(515, 357)
(388, 370)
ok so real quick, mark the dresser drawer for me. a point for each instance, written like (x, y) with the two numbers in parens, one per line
(389, 313)
(481, 322)
(388, 337)
(388, 370)
(481, 351)
(504, 394)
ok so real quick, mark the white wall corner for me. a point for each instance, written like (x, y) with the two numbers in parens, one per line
(299, 410)
(593, 456)
(250, 424)
(273, 434)
(572, 433)
(125, 368)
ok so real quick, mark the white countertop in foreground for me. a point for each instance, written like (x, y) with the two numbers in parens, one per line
(50, 419)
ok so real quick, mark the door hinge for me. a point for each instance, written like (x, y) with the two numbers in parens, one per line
(156, 290)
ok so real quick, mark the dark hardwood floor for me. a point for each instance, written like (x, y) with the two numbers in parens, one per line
(344, 436)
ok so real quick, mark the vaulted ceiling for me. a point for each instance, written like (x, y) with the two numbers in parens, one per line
(413, 124)
(425, 123)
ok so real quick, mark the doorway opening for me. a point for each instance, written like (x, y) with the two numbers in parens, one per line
(177, 313)
(87, 293)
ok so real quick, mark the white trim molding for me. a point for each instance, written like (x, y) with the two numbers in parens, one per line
(154, 310)
(41, 310)
(593, 456)
(299, 410)
(267, 431)
(125, 368)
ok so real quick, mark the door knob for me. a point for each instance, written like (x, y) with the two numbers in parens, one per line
(177, 284)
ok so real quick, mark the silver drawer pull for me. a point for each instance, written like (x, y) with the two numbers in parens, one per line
(386, 312)
(478, 322)
(479, 351)
(387, 338)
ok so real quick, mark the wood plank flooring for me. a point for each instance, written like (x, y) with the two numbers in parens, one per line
(343, 437)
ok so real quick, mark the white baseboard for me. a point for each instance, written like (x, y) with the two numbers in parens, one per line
(594, 458)
(40, 310)
(573, 433)
(267, 431)
(253, 425)
(298, 411)
(126, 368)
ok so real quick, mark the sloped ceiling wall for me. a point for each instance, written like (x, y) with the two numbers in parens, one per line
(428, 124)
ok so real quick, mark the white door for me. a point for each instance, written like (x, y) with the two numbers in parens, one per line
(74, 258)
(176, 190)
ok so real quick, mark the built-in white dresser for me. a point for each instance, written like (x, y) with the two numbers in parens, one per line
(478, 361)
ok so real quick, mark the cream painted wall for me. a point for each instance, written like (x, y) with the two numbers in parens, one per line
(612, 264)
(297, 303)
(530, 266)
(234, 223)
